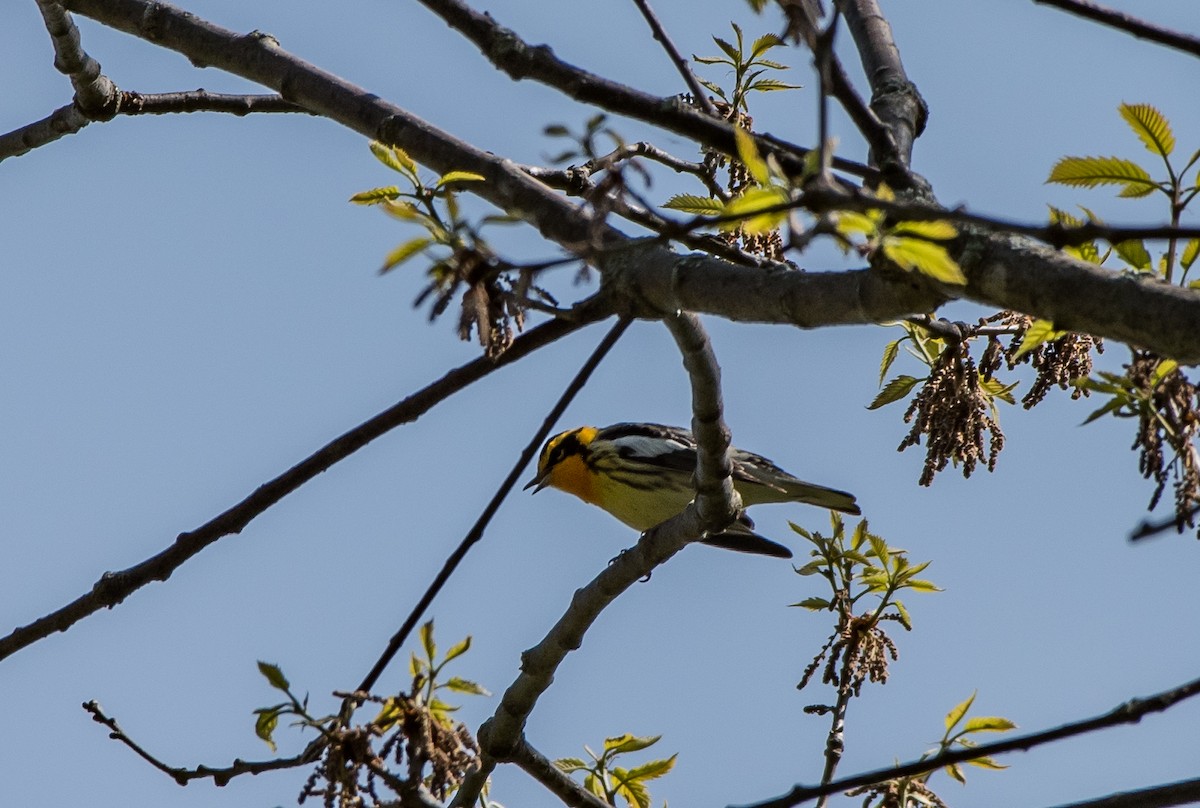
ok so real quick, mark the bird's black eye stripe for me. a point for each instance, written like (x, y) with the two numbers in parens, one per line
(564, 448)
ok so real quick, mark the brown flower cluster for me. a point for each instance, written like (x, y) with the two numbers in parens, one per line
(862, 647)
(955, 415)
(439, 753)
(1058, 362)
(903, 792)
(1167, 418)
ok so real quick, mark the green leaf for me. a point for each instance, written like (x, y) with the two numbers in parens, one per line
(921, 585)
(1113, 405)
(696, 205)
(729, 49)
(592, 783)
(459, 176)
(763, 44)
(1150, 126)
(1089, 172)
(460, 685)
(375, 195)
(394, 158)
(710, 60)
(570, 765)
(749, 155)
(851, 223)
(426, 633)
(621, 744)
(771, 85)
(894, 390)
(652, 770)
(925, 257)
(274, 676)
(747, 207)
(986, 763)
(937, 230)
(956, 772)
(988, 723)
(404, 252)
(1133, 252)
(998, 389)
(902, 613)
(1190, 251)
(890, 351)
(458, 650)
(960, 709)
(633, 792)
(1164, 369)
(1039, 331)
(813, 604)
(265, 724)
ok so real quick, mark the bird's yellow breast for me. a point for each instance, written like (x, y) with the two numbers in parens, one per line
(572, 475)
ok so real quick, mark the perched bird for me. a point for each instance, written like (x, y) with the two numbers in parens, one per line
(642, 474)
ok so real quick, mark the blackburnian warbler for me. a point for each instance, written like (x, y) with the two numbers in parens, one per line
(642, 474)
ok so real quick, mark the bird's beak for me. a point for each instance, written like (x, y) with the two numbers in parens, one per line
(537, 483)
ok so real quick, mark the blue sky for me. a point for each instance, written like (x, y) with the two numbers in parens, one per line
(189, 306)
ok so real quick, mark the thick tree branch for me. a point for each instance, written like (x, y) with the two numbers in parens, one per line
(894, 99)
(114, 587)
(1127, 23)
(1131, 712)
(1185, 792)
(1003, 272)
(95, 93)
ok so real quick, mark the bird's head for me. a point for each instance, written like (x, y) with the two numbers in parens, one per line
(562, 464)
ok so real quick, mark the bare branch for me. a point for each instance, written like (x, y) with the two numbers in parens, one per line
(894, 98)
(1127, 23)
(114, 587)
(95, 94)
(476, 532)
(680, 63)
(1131, 712)
(1185, 792)
(63, 121)
(181, 775)
(202, 100)
(569, 792)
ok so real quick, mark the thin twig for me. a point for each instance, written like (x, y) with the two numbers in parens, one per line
(114, 587)
(476, 532)
(1131, 712)
(558, 783)
(202, 100)
(181, 775)
(1127, 23)
(689, 78)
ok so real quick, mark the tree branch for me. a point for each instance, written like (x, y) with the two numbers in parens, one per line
(1131, 712)
(569, 792)
(1127, 23)
(476, 532)
(681, 65)
(182, 775)
(114, 587)
(1185, 792)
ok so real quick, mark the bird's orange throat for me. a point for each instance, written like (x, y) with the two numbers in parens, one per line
(572, 475)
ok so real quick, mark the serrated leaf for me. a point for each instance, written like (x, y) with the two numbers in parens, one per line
(747, 205)
(771, 85)
(729, 49)
(1111, 406)
(763, 44)
(592, 783)
(852, 223)
(811, 568)
(902, 612)
(925, 257)
(634, 793)
(426, 634)
(1039, 331)
(652, 770)
(960, 709)
(890, 351)
(1089, 172)
(394, 158)
(956, 772)
(988, 723)
(458, 649)
(986, 763)
(894, 390)
(710, 60)
(403, 210)
(998, 389)
(748, 153)
(772, 64)
(265, 724)
(921, 585)
(622, 744)
(696, 205)
(1150, 126)
(274, 676)
(937, 230)
(813, 604)
(1133, 252)
(404, 252)
(375, 195)
(570, 765)
(1190, 251)
(461, 685)
(458, 176)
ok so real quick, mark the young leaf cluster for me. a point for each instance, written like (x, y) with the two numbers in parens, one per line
(914, 791)
(749, 69)
(460, 257)
(609, 781)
